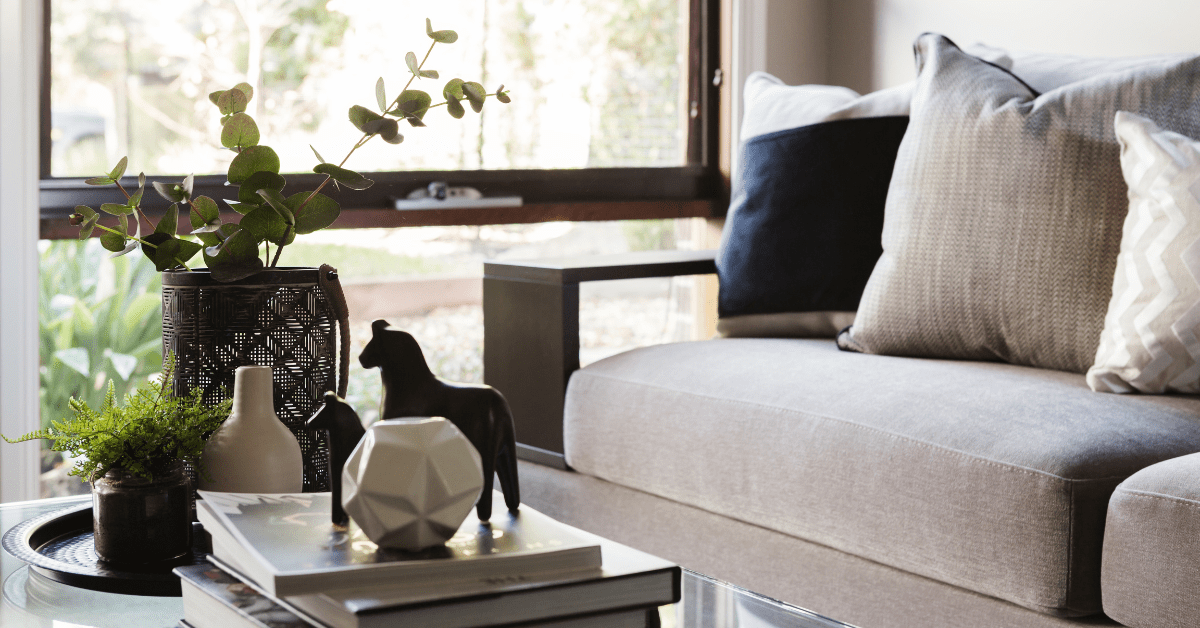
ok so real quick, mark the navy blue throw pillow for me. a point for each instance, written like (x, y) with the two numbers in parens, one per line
(804, 231)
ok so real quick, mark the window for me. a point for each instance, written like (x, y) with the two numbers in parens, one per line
(612, 119)
(611, 100)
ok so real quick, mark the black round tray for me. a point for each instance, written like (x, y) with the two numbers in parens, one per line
(58, 545)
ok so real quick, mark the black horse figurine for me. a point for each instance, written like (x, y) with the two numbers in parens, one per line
(341, 422)
(479, 412)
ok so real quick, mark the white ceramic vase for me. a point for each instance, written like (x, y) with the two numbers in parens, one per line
(253, 451)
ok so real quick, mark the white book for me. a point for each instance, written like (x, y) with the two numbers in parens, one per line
(286, 545)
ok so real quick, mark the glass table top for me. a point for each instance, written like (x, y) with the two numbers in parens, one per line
(31, 600)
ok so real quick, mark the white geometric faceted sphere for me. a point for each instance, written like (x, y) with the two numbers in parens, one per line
(410, 483)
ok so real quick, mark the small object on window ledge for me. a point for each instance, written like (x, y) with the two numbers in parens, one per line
(439, 195)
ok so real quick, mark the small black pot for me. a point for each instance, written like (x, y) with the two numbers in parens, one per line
(139, 521)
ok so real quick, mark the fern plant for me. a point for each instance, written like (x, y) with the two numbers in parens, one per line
(145, 436)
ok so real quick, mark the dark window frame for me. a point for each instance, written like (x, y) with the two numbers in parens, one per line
(692, 190)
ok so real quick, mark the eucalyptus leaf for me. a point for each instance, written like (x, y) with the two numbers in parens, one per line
(88, 226)
(454, 107)
(360, 116)
(319, 157)
(206, 209)
(239, 132)
(215, 96)
(502, 95)
(116, 209)
(318, 213)
(119, 169)
(391, 135)
(248, 192)
(410, 60)
(412, 103)
(112, 241)
(266, 224)
(85, 211)
(174, 252)
(232, 101)
(170, 221)
(453, 89)
(235, 258)
(242, 208)
(348, 178)
(433, 74)
(187, 184)
(442, 37)
(276, 201)
(246, 89)
(100, 181)
(129, 248)
(380, 96)
(170, 191)
(380, 126)
(475, 95)
(251, 160)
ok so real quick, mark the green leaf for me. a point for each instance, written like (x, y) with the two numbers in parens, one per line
(116, 209)
(235, 258)
(380, 96)
(206, 209)
(433, 74)
(251, 160)
(453, 89)
(319, 157)
(205, 230)
(112, 241)
(266, 224)
(475, 95)
(173, 252)
(76, 358)
(170, 221)
(413, 103)
(242, 208)
(100, 181)
(232, 101)
(173, 192)
(85, 211)
(442, 37)
(502, 95)
(454, 107)
(157, 239)
(246, 89)
(90, 218)
(348, 178)
(386, 128)
(240, 132)
(360, 116)
(248, 192)
(215, 97)
(187, 185)
(276, 201)
(317, 214)
(410, 60)
(119, 169)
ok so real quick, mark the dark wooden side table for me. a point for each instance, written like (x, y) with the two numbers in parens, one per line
(531, 332)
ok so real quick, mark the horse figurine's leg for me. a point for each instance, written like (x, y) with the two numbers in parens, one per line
(483, 508)
(506, 459)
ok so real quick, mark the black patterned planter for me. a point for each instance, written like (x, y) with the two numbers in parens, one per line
(285, 318)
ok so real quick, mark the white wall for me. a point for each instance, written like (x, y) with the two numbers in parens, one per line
(20, 28)
(1085, 27)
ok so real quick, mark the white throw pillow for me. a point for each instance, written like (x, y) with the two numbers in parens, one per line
(1149, 343)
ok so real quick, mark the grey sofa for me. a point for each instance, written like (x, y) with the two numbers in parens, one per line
(881, 491)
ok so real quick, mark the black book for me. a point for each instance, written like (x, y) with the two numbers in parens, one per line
(212, 598)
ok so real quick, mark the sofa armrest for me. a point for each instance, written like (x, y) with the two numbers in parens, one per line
(531, 332)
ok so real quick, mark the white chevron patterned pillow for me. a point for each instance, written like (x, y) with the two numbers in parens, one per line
(1150, 342)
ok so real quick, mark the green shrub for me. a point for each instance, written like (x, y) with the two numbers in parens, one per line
(100, 323)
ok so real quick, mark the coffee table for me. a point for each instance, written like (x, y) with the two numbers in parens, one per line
(32, 600)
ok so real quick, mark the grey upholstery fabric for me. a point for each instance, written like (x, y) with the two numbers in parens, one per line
(1151, 569)
(1004, 215)
(832, 583)
(987, 476)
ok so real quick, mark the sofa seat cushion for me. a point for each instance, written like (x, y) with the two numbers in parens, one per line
(988, 476)
(1151, 573)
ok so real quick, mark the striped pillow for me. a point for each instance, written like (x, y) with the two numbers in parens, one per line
(1150, 342)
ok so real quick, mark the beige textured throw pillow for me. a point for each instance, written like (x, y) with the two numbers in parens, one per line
(1004, 215)
(1150, 341)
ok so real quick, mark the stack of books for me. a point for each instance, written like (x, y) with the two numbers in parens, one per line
(278, 562)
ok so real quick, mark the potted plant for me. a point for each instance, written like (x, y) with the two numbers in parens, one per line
(242, 309)
(133, 454)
